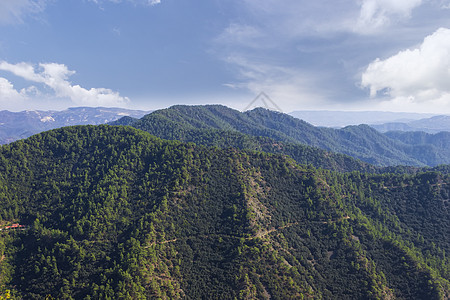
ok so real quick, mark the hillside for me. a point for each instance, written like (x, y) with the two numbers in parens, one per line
(173, 126)
(112, 212)
(439, 140)
(190, 123)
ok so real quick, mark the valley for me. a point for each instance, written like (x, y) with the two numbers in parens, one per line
(115, 212)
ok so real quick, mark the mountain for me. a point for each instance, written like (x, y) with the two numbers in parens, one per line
(173, 126)
(417, 138)
(434, 124)
(19, 125)
(259, 129)
(339, 119)
(196, 123)
(112, 212)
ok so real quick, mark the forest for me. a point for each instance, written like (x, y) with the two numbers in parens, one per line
(363, 143)
(112, 212)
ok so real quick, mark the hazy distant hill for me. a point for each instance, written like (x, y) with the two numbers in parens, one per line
(345, 118)
(430, 125)
(19, 125)
(189, 123)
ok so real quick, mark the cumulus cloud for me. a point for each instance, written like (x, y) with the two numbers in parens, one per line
(304, 50)
(56, 77)
(10, 98)
(12, 11)
(419, 75)
(378, 14)
(8, 92)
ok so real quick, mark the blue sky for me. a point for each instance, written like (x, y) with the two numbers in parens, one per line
(148, 54)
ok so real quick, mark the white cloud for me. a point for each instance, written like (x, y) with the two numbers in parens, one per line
(292, 18)
(10, 98)
(262, 46)
(55, 76)
(23, 70)
(12, 11)
(240, 35)
(419, 75)
(288, 87)
(8, 92)
(378, 14)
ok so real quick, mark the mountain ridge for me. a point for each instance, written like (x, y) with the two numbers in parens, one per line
(361, 142)
(431, 125)
(339, 119)
(114, 212)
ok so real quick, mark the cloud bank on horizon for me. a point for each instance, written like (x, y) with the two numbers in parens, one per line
(352, 55)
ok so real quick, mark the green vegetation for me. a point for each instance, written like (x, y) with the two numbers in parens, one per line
(112, 212)
(174, 125)
(215, 125)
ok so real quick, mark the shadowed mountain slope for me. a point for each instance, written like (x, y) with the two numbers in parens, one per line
(113, 212)
(191, 123)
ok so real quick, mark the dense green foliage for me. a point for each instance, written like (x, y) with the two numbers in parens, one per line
(198, 123)
(169, 124)
(426, 146)
(112, 212)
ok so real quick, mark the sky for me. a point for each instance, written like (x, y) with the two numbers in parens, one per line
(381, 55)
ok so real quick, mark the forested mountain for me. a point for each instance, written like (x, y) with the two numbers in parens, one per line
(223, 138)
(434, 124)
(111, 212)
(192, 123)
(439, 140)
(19, 125)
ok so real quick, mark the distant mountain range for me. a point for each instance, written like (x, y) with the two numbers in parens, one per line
(381, 121)
(326, 118)
(430, 125)
(19, 125)
(259, 129)
(212, 125)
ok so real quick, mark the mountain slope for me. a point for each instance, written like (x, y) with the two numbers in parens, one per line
(186, 123)
(439, 140)
(210, 130)
(113, 212)
(361, 141)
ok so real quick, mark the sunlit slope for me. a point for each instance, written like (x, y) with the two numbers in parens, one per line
(113, 212)
(199, 123)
